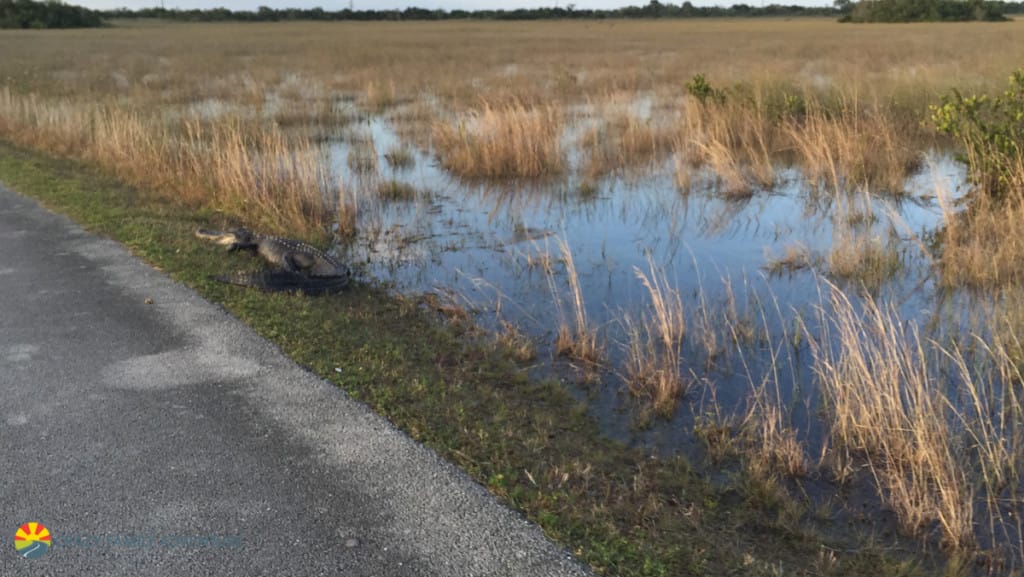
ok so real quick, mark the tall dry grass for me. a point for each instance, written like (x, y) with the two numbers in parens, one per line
(773, 446)
(738, 143)
(936, 425)
(839, 144)
(654, 349)
(496, 97)
(260, 174)
(292, 75)
(847, 146)
(864, 258)
(576, 337)
(982, 245)
(622, 138)
(503, 141)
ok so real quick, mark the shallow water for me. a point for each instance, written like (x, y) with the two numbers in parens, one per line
(482, 246)
(474, 243)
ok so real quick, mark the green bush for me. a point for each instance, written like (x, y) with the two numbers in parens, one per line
(50, 14)
(924, 11)
(699, 88)
(991, 130)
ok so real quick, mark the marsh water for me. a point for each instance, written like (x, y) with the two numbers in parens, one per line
(499, 252)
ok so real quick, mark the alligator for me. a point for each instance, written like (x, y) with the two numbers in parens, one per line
(295, 266)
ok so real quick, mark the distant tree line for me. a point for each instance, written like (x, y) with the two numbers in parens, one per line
(55, 14)
(50, 14)
(654, 9)
(894, 10)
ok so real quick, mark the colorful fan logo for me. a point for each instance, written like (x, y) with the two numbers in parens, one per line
(32, 540)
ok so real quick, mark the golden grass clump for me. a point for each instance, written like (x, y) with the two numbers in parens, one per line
(621, 141)
(794, 257)
(886, 405)
(654, 348)
(575, 338)
(863, 258)
(260, 174)
(397, 191)
(735, 141)
(983, 245)
(515, 342)
(854, 147)
(362, 153)
(773, 446)
(379, 96)
(503, 141)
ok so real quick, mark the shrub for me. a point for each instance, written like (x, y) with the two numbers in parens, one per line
(50, 14)
(924, 11)
(991, 130)
(699, 88)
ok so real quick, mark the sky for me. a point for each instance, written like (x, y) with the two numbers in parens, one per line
(333, 5)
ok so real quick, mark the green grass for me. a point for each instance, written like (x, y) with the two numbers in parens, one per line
(529, 442)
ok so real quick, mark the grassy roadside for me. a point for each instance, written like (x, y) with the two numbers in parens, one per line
(619, 510)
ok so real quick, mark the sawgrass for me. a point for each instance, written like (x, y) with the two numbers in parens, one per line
(843, 103)
(502, 141)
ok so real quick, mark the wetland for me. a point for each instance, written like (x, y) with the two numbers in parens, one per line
(755, 245)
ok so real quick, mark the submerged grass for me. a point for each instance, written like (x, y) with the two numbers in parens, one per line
(935, 441)
(576, 338)
(654, 351)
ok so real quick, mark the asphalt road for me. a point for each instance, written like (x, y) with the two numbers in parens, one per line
(169, 439)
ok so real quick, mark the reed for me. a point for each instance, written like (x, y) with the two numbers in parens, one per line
(773, 447)
(794, 257)
(502, 141)
(771, 444)
(737, 142)
(515, 342)
(400, 158)
(379, 95)
(623, 141)
(260, 174)
(654, 351)
(394, 190)
(362, 153)
(887, 405)
(981, 246)
(277, 181)
(866, 259)
(576, 338)
(847, 146)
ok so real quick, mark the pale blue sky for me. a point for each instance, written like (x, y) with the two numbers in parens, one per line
(401, 4)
